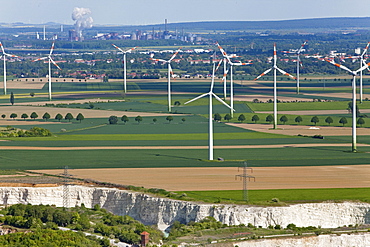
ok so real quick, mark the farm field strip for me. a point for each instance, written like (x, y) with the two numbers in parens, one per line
(182, 147)
(223, 178)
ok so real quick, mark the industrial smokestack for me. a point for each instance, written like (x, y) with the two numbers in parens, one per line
(83, 20)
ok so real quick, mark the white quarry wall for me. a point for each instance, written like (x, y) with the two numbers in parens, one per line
(163, 212)
(344, 240)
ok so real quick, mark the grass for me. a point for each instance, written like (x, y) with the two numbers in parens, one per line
(265, 197)
(257, 157)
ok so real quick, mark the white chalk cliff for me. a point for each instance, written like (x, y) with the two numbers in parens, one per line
(163, 212)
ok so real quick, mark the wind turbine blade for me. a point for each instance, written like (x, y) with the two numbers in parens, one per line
(56, 65)
(240, 63)
(2, 47)
(171, 71)
(52, 49)
(301, 48)
(364, 63)
(365, 50)
(275, 55)
(225, 74)
(10, 55)
(223, 52)
(174, 55)
(339, 65)
(200, 96)
(219, 63)
(286, 73)
(264, 73)
(158, 60)
(223, 102)
(130, 50)
(39, 59)
(362, 68)
(118, 48)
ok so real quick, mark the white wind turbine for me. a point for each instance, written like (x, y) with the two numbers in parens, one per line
(228, 60)
(275, 68)
(124, 65)
(299, 62)
(354, 111)
(50, 61)
(170, 74)
(210, 94)
(4, 57)
(362, 59)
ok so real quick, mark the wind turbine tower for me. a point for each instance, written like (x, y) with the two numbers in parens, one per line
(124, 65)
(210, 94)
(50, 61)
(4, 57)
(170, 74)
(275, 68)
(354, 73)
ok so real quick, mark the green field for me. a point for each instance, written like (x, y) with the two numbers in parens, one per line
(265, 197)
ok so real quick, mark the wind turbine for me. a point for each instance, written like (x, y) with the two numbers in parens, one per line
(354, 111)
(50, 61)
(124, 65)
(170, 73)
(299, 62)
(4, 57)
(275, 68)
(362, 62)
(228, 60)
(210, 94)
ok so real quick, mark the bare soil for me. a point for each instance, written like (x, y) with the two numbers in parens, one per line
(223, 178)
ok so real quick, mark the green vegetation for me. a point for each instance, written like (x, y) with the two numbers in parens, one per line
(264, 197)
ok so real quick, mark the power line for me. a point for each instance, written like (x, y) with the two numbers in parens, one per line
(244, 176)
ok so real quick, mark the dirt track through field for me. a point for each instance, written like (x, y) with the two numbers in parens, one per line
(223, 178)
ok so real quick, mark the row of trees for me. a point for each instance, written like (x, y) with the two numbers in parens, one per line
(284, 119)
(138, 119)
(46, 116)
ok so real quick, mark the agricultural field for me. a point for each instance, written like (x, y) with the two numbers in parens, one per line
(156, 146)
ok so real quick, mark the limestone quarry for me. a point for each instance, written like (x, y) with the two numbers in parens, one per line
(163, 212)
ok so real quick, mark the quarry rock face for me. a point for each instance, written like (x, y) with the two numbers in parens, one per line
(163, 212)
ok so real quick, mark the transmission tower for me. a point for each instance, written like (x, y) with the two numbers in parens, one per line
(245, 176)
(66, 195)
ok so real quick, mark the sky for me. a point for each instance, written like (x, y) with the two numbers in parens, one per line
(143, 12)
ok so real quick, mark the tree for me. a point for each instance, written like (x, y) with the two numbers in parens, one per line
(46, 116)
(227, 117)
(59, 117)
(269, 118)
(283, 119)
(217, 117)
(343, 120)
(113, 119)
(361, 121)
(13, 115)
(124, 119)
(298, 119)
(32, 94)
(177, 103)
(68, 117)
(329, 120)
(80, 117)
(12, 98)
(315, 120)
(24, 116)
(138, 119)
(255, 118)
(154, 120)
(169, 119)
(3, 116)
(34, 115)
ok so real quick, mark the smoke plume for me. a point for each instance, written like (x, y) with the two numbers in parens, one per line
(82, 18)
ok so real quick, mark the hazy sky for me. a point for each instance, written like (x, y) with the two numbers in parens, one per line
(134, 12)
